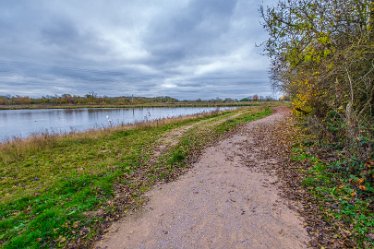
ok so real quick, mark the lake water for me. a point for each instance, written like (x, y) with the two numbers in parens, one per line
(22, 123)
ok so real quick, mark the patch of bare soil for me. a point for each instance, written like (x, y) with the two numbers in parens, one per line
(171, 139)
(229, 199)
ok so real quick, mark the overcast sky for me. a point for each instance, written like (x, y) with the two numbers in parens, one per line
(181, 48)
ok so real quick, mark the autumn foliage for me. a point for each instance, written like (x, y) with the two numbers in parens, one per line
(323, 57)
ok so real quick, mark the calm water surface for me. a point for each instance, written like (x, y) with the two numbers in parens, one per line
(22, 123)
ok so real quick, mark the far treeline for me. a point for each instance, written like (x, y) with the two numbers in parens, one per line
(322, 55)
(94, 99)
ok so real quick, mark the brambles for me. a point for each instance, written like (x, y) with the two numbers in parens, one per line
(323, 58)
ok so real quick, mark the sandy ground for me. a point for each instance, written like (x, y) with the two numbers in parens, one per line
(225, 201)
(172, 138)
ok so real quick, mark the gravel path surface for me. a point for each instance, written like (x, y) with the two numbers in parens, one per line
(225, 201)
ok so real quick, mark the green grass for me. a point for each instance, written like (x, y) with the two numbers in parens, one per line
(48, 189)
(339, 197)
(197, 138)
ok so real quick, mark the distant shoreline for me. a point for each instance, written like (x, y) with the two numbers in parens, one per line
(173, 104)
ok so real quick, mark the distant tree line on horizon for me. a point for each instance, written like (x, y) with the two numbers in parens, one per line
(93, 99)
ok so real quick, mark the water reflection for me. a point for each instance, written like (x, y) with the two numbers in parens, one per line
(22, 123)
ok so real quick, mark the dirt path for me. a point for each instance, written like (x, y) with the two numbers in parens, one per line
(171, 139)
(225, 201)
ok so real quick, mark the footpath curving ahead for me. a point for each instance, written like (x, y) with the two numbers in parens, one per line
(226, 200)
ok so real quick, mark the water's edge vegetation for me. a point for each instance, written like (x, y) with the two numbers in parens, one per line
(211, 103)
(61, 191)
(19, 124)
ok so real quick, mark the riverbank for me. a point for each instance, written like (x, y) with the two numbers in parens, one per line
(23, 123)
(61, 191)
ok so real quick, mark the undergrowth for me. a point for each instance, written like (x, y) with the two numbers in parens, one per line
(345, 199)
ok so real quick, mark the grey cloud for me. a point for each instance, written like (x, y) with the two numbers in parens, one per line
(184, 49)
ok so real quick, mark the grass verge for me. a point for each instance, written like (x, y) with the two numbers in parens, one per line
(345, 201)
(59, 193)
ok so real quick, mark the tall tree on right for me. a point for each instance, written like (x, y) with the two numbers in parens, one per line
(322, 55)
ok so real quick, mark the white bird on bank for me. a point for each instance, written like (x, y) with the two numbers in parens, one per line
(109, 120)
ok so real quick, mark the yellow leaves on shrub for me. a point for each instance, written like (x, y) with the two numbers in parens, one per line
(301, 101)
(324, 39)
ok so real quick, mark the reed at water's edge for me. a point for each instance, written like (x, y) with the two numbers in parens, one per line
(17, 145)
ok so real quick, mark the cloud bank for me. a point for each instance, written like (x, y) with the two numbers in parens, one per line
(185, 49)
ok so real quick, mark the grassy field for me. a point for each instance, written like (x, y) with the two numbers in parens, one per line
(59, 191)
